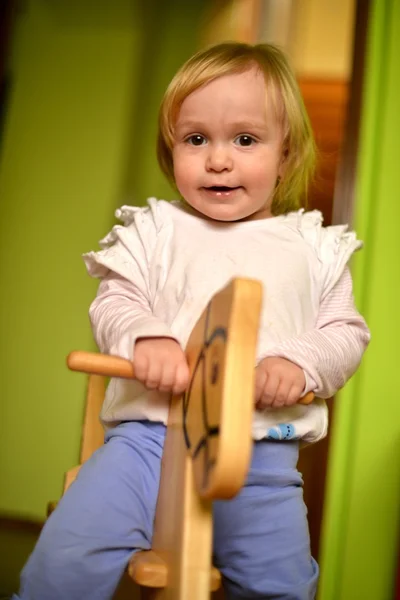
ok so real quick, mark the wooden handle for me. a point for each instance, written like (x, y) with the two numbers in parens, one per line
(114, 366)
(307, 399)
(100, 364)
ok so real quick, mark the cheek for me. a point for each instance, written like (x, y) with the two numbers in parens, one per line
(185, 170)
(263, 173)
(262, 178)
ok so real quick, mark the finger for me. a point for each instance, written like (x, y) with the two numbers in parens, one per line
(260, 381)
(153, 374)
(181, 378)
(294, 395)
(269, 391)
(167, 378)
(281, 394)
(141, 364)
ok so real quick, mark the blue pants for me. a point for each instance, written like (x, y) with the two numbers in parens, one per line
(261, 541)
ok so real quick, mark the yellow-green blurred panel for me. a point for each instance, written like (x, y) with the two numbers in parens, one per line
(361, 528)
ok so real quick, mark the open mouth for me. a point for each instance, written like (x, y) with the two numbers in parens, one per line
(221, 188)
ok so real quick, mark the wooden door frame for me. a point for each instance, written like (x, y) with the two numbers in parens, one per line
(343, 200)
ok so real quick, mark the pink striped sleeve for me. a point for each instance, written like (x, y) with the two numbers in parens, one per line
(121, 313)
(330, 353)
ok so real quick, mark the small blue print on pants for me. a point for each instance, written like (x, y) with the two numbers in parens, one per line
(284, 431)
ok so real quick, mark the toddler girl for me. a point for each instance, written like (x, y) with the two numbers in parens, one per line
(235, 141)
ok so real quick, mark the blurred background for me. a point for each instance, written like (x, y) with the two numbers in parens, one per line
(80, 86)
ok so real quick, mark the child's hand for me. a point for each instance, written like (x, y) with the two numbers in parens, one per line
(279, 382)
(160, 364)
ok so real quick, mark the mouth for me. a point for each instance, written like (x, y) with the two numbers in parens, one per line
(221, 190)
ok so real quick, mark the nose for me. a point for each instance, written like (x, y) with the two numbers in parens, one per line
(219, 158)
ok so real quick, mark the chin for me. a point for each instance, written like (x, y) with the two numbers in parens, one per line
(227, 214)
(224, 213)
(223, 218)
(233, 218)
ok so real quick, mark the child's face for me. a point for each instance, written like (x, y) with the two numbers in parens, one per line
(227, 152)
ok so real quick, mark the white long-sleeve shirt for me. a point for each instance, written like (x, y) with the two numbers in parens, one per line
(160, 269)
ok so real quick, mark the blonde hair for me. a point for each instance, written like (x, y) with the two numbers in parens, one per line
(231, 58)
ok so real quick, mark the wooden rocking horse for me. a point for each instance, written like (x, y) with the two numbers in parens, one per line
(208, 443)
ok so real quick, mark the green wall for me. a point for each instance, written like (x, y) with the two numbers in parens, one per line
(361, 527)
(78, 141)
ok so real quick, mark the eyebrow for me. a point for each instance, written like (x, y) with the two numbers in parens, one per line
(240, 125)
(189, 124)
(251, 125)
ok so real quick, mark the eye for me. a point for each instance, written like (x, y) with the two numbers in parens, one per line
(196, 140)
(245, 140)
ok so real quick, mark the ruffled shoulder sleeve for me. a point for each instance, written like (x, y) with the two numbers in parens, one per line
(333, 245)
(129, 246)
